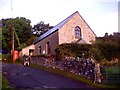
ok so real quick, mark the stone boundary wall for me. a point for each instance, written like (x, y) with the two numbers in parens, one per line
(38, 60)
(80, 66)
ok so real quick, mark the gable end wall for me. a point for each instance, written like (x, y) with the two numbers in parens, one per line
(67, 34)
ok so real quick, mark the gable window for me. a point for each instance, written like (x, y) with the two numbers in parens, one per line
(77, 32)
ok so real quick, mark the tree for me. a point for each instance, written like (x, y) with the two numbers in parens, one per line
(106, 48)
(22, 28)
(41, 28)
(6, 34)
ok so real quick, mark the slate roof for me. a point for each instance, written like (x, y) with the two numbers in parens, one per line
(55, 28)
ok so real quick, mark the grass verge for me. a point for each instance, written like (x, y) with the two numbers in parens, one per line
(5, 83)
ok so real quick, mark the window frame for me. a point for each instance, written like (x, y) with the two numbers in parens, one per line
(77, 31)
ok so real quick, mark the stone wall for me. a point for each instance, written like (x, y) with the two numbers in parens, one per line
(38, 60)
(80, 66)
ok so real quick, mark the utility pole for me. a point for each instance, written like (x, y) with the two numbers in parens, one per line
(12, 35)
(12, 31)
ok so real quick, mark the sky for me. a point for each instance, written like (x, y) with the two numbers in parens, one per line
(101, 15)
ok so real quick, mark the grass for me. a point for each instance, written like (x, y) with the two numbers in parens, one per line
(3, 55)
(73, 76)
(113, 70)
(4, 81)
(0, 81)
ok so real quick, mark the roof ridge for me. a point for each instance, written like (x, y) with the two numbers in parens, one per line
(67, 17)
(55, 28)
(86, 23)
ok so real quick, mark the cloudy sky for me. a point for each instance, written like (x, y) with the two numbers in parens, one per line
(101, 15)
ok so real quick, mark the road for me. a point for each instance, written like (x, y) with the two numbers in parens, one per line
(29, 77)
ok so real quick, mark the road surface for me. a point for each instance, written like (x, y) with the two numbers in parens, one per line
(29, 77)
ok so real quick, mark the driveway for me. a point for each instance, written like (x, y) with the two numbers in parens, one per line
(29, 77)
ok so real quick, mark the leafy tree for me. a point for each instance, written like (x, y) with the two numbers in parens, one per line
(41, 28)
(30, 41)
(6, 34)
(106, 48)
(23, 31)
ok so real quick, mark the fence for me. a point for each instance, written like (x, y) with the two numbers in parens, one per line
(110, 74)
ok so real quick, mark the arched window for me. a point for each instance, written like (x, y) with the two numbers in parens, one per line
(77, 32)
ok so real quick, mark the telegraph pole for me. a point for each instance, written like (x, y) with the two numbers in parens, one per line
(12, 35)
(12, 32)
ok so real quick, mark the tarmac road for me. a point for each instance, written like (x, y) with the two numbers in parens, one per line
(29, 77)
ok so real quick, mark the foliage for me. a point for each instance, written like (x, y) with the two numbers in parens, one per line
(72, 49)
(106, 48)
(110, 63)
(5, 83)
(22, 28)
(113, 70)
(31, 39)
(7, 58)
(41, 28)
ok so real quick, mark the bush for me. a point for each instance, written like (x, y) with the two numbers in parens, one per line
(72, 50)
(7, 58)
(19, 60)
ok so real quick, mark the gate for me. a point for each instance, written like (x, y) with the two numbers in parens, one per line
(110, 74)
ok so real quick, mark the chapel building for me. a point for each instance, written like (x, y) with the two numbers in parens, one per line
(73, 29)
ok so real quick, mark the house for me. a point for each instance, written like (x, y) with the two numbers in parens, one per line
(73, 29)
(27, 50)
